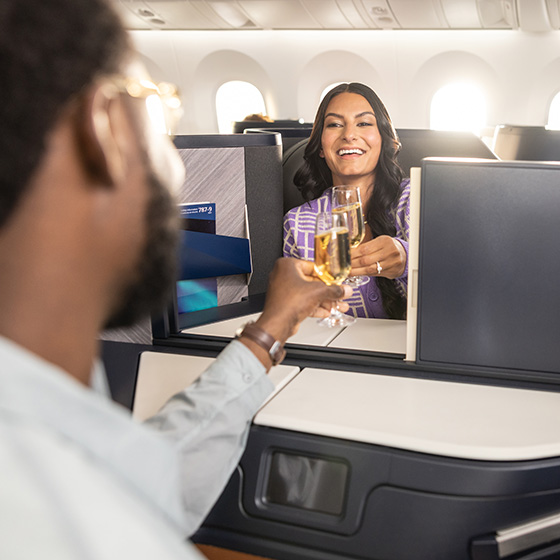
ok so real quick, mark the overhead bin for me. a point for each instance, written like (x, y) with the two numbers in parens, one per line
(527, 15)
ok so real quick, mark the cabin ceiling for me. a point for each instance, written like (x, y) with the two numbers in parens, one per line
(525, 15)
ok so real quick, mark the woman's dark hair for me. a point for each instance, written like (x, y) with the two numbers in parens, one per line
(49, 53)
(314, 177)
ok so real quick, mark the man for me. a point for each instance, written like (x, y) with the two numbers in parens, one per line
(87, 229)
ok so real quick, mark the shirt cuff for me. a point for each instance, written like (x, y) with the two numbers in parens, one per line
(241, 369)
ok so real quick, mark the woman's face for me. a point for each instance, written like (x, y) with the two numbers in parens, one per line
(350, 142)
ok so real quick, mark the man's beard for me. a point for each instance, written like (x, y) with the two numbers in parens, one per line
(156, 270)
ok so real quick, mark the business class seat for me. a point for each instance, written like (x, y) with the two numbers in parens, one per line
(530, 143)
(240, 126)
(291, 162)
(290, 136)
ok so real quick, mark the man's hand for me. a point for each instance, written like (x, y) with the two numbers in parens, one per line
(294, 293)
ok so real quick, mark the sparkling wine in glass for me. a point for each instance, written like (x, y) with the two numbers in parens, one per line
(332, 259)
(346, 200)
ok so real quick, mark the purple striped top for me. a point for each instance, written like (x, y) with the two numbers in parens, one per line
(299, 231)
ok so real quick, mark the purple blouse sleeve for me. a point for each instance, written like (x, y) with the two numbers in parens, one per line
(289, 247)
(299, 228)
(402, 223)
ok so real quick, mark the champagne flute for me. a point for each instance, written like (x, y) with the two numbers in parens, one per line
(332, 259)
(346, 200)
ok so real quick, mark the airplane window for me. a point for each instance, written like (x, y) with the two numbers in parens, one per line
(234, 101)
(554, 113)
(460, 107)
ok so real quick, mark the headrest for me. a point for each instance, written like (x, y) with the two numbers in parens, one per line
(291, 162)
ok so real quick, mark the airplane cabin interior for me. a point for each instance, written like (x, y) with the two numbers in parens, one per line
(431, 438)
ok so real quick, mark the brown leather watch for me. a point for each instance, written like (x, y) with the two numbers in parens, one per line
(274, 348)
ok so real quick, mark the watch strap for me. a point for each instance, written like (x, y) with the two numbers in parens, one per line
(274, 348)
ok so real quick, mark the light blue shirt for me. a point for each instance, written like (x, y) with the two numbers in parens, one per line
(81, 479)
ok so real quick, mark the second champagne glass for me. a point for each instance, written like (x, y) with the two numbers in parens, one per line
(332, 259)
(346, 200)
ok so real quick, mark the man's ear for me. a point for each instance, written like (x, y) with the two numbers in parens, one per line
(99, 126)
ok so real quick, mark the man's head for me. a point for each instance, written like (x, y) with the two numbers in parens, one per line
(49, 53)
(73, 140)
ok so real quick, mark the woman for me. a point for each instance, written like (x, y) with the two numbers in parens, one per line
(353, 142)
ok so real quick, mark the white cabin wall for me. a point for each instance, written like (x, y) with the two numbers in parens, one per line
(519, 72)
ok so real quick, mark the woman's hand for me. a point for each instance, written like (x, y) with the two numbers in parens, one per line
(382, 256)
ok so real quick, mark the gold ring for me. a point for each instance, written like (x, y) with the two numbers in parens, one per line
(379, 268)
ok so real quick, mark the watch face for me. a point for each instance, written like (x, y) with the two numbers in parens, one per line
(277, 352)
